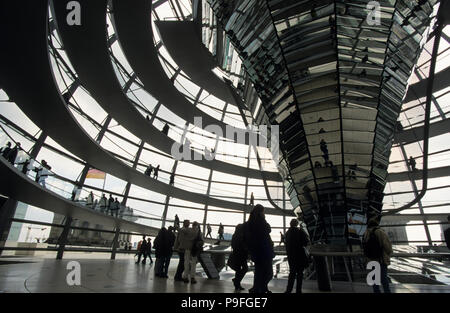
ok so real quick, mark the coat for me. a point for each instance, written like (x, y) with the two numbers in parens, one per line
(185, 239)
(240, 249)
(257, 237)
(295, 241)
(163, 244)
(384, 242)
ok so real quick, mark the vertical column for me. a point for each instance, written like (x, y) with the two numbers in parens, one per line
(63, 238)
(135, 163)
(7, 211)
(208, 191)
(284, 209)
(115, 243)
(174, 168)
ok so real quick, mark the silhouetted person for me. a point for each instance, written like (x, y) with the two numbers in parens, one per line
(324, 149)
(115, 208)
(6, 149)
(160, 245)
(260, 246)
(176, 223)
(163, 251)
(148, 251)
(165, 129)
(147, 118)
(90, 200)
(282, 238)
(25, 165)
(149, 170)
(208, 228)
(317, 164)
(412, 163)
(110, 203)
(155, 172)
(42, 172)
(103, 203)
(220, 232)
(172, 179)
(447, 234)
(239, 255)
(142, 250)
(377, 247)
(295, 242)
(12, 154)
(252, 199)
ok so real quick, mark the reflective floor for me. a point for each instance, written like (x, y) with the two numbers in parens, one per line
(99, 274)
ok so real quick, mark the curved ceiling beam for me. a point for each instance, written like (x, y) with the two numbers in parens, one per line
(418, 90)
(87, 48)
(436, 172)
(187, 50)
(134, 29)
(28, 80)
(416, 134)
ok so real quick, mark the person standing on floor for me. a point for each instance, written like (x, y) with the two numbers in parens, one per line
(238, 257)
(160, 244)
(208, 228)
(168, 251)
(295, 242)
(142, 249)
(181, 244)
(220, 232)
(260, 246)
(378, 247)
(148, 251)
(193, 254)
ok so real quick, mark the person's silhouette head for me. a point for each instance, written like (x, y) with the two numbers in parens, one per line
(294, 222)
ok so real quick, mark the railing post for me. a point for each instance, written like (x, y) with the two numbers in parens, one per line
(115, 243)
(63, 238)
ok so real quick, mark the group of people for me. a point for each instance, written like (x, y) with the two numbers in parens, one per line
(42, 171)
(188, 243)
(252, 238)
(144, 248)
(105, 205)
(151, 169)
(9, 153)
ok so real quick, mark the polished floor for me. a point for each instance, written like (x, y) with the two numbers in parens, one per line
(99, 274)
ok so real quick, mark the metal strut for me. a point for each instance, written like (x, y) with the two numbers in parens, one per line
(442, 20)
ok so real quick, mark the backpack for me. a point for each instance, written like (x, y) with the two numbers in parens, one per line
(372, 247)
